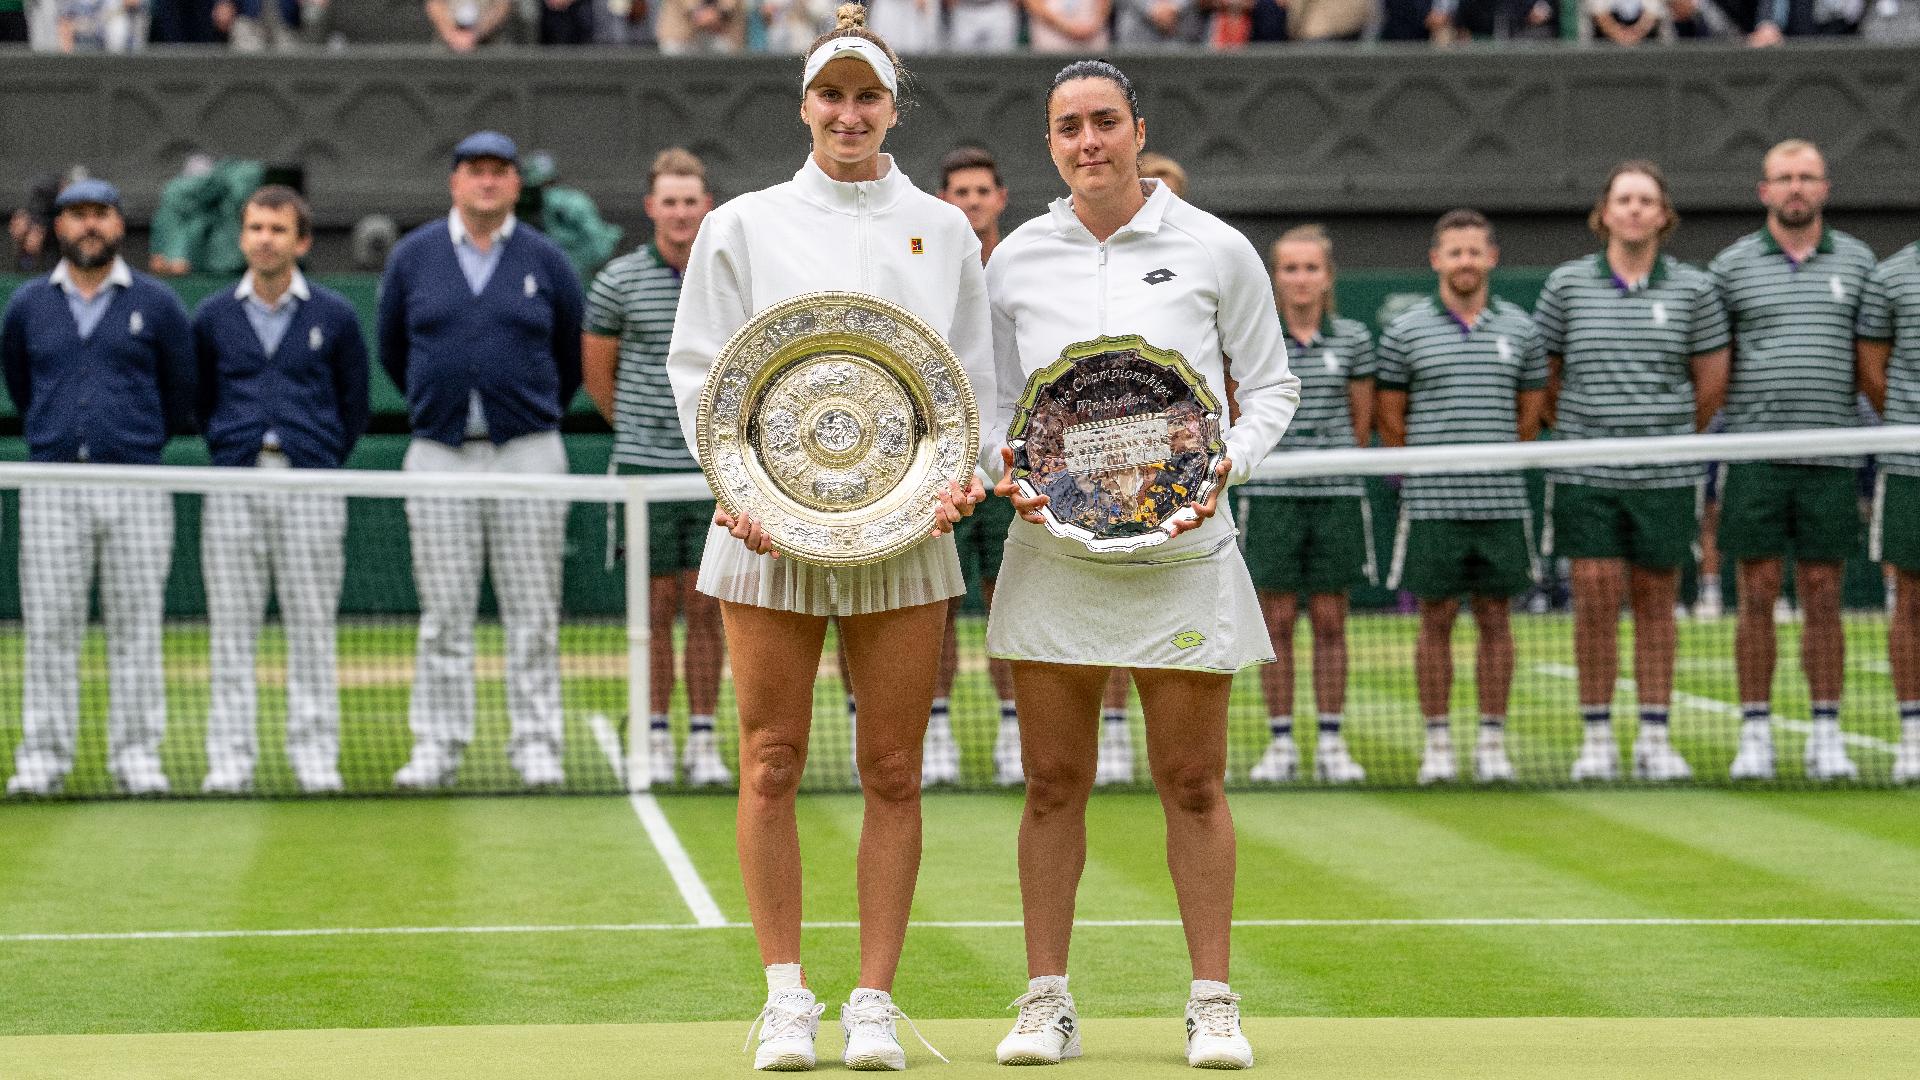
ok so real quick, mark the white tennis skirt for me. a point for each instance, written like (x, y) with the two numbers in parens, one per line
(923, 574)
(1194, 613)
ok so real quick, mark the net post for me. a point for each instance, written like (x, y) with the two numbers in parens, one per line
(639, 636)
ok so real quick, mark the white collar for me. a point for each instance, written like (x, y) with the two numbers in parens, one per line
(1145, 220)
(458, 229)
(843, 197)
(298, 289)
(119, 274)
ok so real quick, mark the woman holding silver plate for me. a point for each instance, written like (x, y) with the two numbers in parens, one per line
(849, 220)
(1125, 258)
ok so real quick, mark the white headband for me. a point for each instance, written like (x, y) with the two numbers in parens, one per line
(860, 49)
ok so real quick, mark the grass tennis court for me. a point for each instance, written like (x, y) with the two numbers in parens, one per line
(1382, 933)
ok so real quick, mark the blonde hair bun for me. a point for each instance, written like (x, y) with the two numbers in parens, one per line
(851, 17)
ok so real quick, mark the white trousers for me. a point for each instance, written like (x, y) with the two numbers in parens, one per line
(297, 540)
(65, 534)
(977, 28)
(520, 541)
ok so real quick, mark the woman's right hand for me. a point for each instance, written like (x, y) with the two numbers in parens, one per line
(747, 530)
(1028, 508)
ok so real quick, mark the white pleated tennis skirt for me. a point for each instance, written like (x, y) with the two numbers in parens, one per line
(923, 574)
(1192, 608)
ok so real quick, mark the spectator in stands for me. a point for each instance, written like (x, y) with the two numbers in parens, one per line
(970, 179)
(1141, 24)
(1463, 367)
(99, 361)
(1888, 349)
(283, 382)
(466, 25)
(980, 26)
(566, 22)
(629, 323)
(1457, 20)
(86, 26)
(1068, 26)
(793, 24)
(1312, 537)
(1626, 22)
(488, 359)
(1637, 343)
(910, 26)
(1319, 20)
(270, 25)
(1792, 291)
(701, 26)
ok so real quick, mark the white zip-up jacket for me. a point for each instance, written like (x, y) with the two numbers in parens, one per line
(882, 237)
(1175, 275)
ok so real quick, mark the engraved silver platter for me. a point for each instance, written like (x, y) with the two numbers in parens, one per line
(835, 419)
(1121, 437)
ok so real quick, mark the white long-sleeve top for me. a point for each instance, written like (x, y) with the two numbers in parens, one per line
(882, 237)
(1177, 276)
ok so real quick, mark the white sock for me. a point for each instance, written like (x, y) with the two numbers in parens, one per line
(940, 718)
(858, 990)
(783, 977)
(700, 722)
(1208, 988)
(1052, 983)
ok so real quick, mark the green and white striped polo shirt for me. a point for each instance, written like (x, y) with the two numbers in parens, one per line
(1627, 359)
(1461, 383)
(1890, 311)
(1340, 352)
(634, 298)
(1792, 333)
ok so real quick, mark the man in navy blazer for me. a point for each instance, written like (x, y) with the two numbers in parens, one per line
(480, 329)
(100, 365)
(283, 383)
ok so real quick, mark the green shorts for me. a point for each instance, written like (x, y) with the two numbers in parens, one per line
(1649, 527)
(1309, 544)
(1896, 521)
(1443, 559)
(982, 538)
(676, 531)
(1770, 511)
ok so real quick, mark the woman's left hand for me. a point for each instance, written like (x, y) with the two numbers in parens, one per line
(957, 502)
(1197, 513)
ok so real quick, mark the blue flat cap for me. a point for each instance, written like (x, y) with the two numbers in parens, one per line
(87, 193)
(486, 144)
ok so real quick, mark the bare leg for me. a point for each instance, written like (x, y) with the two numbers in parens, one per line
(1903, 636)
(1754, 647)
(1433, 656)
(1328, 614)
(1655, 637)
(663, 603)
(1494, 666)
(1059, 745)
(949, 652)
(1598, 586)
(776, 710)
(1823, 644)
(706, 649)
(1115, 695)
(1187, 752)
(1276, 679)
(893, 670)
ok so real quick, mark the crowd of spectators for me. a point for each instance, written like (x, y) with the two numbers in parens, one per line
(923, 26)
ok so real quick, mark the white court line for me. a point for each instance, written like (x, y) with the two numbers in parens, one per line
(982, 924)
(1722, 708)
(706, 912)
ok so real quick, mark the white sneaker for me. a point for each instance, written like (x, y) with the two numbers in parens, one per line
(1709, 606)
(1116, 755)
(1490, 764)
(539, 766)
(35, 775)
(659, 757)
(1007, 769)
(1754, 761)
(1784, 613)
(1214, 1040)
(1437, 764)
(787, 1023)
(1654, 757)
(1279, 765)
(228, 779)
(872, 1044)
(1599, 755)
(1906, 759)
(320, 780)
(141, 774)
(1046, 1032)
(1332, 764)
(939, 756)
(1826, 756)
(702, 761)
(431, 766)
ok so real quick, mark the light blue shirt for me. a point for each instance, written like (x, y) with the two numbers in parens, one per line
(87, 312)
(478, 267)
(271, 321)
